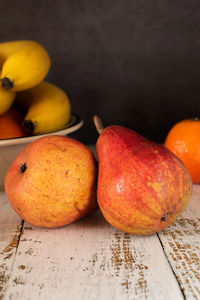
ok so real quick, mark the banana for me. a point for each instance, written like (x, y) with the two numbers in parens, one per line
(48, 108)
(6, 100)
(9, 48)
(24, 64)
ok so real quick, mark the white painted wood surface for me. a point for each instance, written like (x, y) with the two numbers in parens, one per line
(89, 259)
(10, 226)
(181, 242)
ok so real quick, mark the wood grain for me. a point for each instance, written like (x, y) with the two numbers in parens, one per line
(181, 243)
(10, 228)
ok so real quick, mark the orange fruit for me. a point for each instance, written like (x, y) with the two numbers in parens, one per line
(184, 140)
(10, 124)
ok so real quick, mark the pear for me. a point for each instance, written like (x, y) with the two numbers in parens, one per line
(142, 186)
(52, 182)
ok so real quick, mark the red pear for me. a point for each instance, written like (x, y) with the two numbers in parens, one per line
(142, 186)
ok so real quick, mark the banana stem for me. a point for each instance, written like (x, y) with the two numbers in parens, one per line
(98, 124)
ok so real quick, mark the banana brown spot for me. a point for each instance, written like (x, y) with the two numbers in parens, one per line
(6, 83)
(28, 126)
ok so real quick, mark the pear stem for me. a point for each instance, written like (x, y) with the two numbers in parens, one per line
(98, 124)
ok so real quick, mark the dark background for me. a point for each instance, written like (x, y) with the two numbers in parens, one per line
(135, 63)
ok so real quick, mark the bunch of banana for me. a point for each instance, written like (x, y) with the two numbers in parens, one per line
(47, 106)
(24, 65)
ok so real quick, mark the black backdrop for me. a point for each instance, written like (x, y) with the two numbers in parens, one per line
(134, 62)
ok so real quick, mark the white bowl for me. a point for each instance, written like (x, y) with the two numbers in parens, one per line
(10, 148)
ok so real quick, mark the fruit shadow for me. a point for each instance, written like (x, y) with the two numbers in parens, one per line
(94, 220)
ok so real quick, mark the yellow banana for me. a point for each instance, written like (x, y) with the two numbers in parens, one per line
(24, 64)
(48, 108)
(9, 48)
(6, 100)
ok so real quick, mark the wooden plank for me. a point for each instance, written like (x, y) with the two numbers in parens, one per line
(10, 228)
(90, 260)
(181, 243)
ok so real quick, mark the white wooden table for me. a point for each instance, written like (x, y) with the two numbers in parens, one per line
(89, 259)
